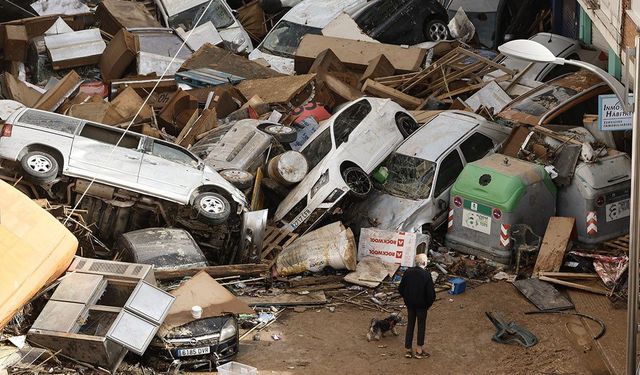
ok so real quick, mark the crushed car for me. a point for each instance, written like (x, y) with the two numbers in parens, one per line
(185, 14)
(411, 186)
(341, 154)
(534, 76)
(388, 21)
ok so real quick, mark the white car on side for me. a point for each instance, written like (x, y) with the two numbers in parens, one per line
(414, 184)
(341, 155)
(47, 145)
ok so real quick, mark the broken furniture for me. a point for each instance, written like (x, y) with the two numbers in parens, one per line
(525, 244)
(101, 310)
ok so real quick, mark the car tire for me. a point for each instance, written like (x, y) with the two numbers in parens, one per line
(406, 124)
(436, 30)
(282, 133)
(212, 207)
(40, 166)
(358, 181)
(238, 178)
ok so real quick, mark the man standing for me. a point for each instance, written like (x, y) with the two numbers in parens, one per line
(418, 293)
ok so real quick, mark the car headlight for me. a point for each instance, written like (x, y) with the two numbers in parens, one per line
(228, 330)
(323, 180)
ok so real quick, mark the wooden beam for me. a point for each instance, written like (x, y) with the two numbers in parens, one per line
(570, 275)
(560, 231)
(215, 271)
(574, 285)
(377, 89)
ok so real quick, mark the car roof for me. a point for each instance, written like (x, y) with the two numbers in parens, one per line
(319, 13)
(444, 130)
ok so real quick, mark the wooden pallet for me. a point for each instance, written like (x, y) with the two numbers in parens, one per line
(620, 243)
(275, 240)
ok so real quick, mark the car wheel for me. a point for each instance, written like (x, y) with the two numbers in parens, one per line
(358, 181)
(238, 178)
(406, 124)
(283, 133)
(212, 207)
(436, 30)
(40, 166)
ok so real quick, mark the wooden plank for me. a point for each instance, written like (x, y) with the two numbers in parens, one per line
(560, 231)
(315, 280)
(314, 288)
(313, 298)
(377, 89)
(257, 197)
(214, 271)
(574, 285)
(570, 275)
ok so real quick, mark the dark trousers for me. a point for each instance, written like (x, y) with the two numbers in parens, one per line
(412, 315)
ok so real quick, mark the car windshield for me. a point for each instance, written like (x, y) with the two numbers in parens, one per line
(217, 14)
(409, 177)
(544, 101)
(284, 39)
(318, 148)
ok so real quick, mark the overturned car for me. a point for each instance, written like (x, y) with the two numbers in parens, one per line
(341, 154)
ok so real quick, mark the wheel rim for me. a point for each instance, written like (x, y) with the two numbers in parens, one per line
(357, 181)
(279, 129)
(438, 31)
(212, 205)
(39, 163)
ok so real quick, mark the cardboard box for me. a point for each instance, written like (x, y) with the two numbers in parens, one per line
(115, 15)
(391, 246)
(119, 55)
(356, 54)
(15, 42)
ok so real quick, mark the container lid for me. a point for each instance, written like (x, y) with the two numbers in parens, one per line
(499, 181)
(607, 171)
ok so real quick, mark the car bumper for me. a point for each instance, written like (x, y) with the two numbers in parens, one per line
(219, 353)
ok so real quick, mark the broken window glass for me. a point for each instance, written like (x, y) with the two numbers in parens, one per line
(349, 119)
(50, 121)
(217, 13)
(318, 148)
(544, 101)
(409, 177)
(173, 154)
(284, 39)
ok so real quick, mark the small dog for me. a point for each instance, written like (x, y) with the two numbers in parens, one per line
(379, 327)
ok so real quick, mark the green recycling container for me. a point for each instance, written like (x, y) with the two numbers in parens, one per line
(490, 196)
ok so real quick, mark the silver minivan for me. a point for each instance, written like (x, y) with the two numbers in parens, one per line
(47, 145)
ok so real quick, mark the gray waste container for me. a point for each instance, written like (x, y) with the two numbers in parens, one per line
(490, 196)
(598, 197)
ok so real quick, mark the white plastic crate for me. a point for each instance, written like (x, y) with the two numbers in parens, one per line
(236, 368)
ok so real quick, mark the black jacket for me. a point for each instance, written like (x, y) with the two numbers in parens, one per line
(416, 288)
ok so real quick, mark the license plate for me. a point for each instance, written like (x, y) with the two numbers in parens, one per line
(617, 210)
(194, 351)
(300, 218)
(476, 221)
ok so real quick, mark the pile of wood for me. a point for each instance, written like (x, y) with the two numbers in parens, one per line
(459, 72)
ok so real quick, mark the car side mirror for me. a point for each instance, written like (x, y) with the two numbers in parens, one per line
(442, 205)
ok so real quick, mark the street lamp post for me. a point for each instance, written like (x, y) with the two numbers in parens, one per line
(532, 51)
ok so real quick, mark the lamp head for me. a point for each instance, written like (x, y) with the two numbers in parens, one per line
(529, 50)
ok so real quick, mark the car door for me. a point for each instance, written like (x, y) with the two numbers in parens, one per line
(107, 154)
(169, 171)
(449, 169)
(476, 147)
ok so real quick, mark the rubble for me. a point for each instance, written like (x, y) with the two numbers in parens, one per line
(183, 169)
